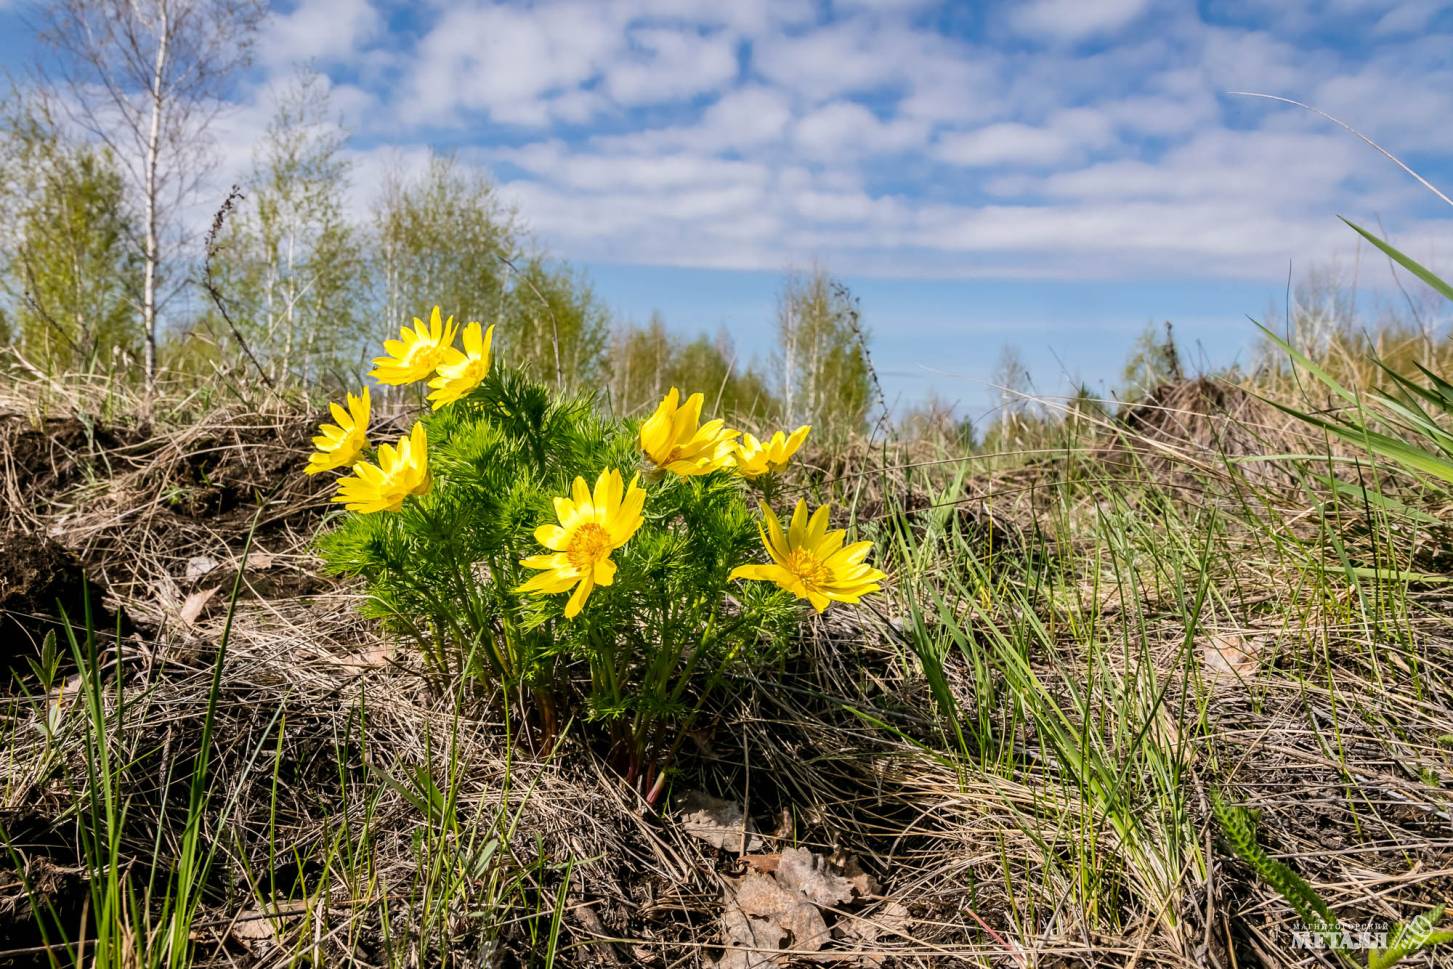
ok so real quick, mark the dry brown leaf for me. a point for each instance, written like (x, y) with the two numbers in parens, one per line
(200, 565)
(1230, 658)
(260, 928)
(758, 913)
(260, 560)
(863, 883)
(802, 871)
(193, 605)
(719, 823)
(885, 921)
(765, 863)
(779, 903)
(761, 895)
(370, 658)
(744, 936)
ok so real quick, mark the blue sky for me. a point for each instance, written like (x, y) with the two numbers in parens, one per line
(1049, 173)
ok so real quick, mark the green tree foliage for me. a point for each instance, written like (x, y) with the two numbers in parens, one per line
(291, 266)
(443, 238)
(68, 257)
(553, 326)
(646, 360)
(825, 375)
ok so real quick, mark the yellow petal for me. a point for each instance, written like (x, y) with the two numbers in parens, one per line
(580, 492)
(566, 512)
(777, 541)
(577, 599)
(797, 528)
(759, 573)
(552, 536)
(548, 583)
(817, 526)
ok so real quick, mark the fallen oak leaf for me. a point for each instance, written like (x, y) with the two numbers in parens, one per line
(260, 560)
(802, 871)
(263, 927)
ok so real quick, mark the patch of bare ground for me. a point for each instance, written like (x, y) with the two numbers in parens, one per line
(866, 838)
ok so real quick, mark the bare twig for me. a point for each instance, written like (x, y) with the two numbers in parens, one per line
(209, 282)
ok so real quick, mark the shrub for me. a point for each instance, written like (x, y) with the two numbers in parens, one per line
(580, 563)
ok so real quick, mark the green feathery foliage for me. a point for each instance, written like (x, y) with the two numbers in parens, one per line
(646, 649)
(1410, 938)
(1238, 828)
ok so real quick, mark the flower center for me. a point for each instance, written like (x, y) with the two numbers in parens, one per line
(806, 566)
(422, 354)
(589, 545)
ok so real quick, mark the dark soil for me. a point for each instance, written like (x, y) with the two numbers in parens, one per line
(43, 462)
(42, 587)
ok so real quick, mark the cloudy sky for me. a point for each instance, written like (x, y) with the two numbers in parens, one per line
(1049, 173)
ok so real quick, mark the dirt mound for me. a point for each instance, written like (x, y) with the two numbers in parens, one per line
(1202, 422)
(40, 461)
(178, 518)
(42, 586)
(152, 515)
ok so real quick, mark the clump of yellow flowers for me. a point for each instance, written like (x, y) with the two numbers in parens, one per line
(479, 535)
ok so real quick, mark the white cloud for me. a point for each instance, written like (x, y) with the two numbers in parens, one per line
(761, 133)
(671, 64)
(844, 58)
(1069, 20)
(1408, 17)
(1066, 135)
(847, 128)
(745, 117)
(321, 30)
(506, 61)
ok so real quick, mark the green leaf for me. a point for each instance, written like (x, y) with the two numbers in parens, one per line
(1404, 260)
(1362, 493)
(1310, 366)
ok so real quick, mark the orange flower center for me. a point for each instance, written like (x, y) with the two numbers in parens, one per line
(589, 545)
(806, 566)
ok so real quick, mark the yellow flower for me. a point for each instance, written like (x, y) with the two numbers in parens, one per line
(339, 444)
(811, 562)
(754, 457)
(459, 373)
(401, 471)
(417, 351)
(591, 527)
(673, 441)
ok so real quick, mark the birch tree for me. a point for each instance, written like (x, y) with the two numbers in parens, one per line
(146, 78)
(825, 378)
(291, 264)
(442, 237)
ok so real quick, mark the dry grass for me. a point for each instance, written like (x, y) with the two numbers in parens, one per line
(1190, 617)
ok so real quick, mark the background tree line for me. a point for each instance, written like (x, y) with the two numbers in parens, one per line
(103, 162)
